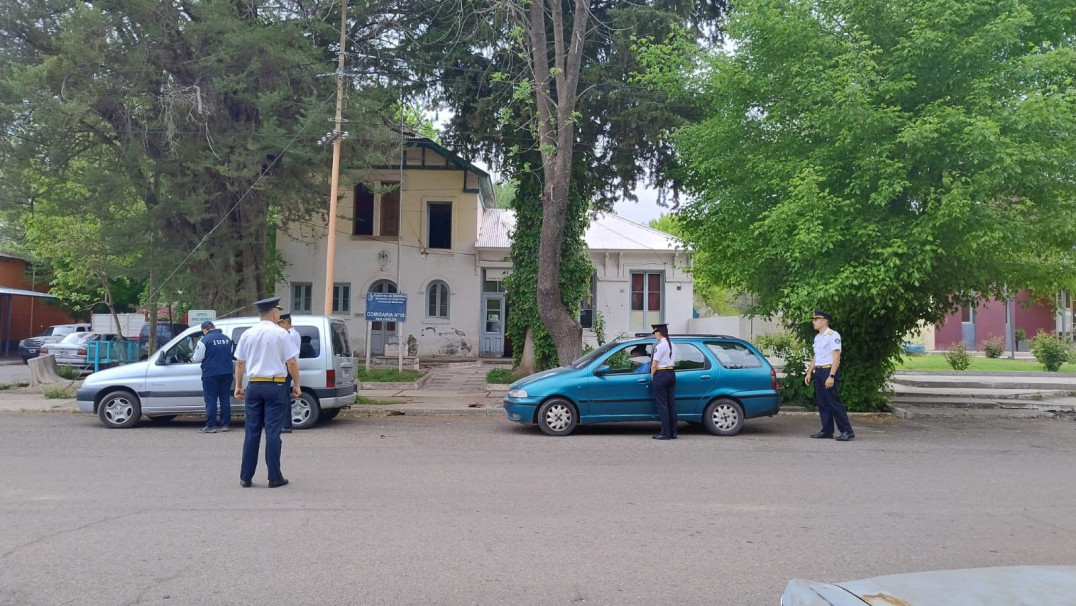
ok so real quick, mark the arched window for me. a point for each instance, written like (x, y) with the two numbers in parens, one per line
(437, 300)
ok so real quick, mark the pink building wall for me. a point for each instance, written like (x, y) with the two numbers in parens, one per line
(1030, 314)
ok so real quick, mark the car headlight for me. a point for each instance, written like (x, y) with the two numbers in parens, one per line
(517, 393)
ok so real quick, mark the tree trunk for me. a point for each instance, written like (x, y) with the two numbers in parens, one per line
(556, 135)
(526, 361)
(565, 331)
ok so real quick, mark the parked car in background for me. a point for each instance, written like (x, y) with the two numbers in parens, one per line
(1000, 586)
(169, 383)
(31, 348)
(913, 348)
(74, 348)
(720, 382)
(165, 332)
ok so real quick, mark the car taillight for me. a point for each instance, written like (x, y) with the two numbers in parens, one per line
(81, 352)
(773, 379)
(330, 378)
(44, 351)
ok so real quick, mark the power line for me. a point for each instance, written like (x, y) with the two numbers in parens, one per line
(205, 238)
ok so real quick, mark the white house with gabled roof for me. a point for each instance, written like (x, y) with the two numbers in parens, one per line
(430, 229)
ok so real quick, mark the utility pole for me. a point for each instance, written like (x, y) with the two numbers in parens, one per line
(334, 188)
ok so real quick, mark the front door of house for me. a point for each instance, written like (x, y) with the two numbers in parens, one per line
(492, 325)
(381, 331)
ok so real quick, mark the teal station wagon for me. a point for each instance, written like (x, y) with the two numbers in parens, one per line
(720, 382)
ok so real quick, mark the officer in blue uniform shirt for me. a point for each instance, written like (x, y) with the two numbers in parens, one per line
(639, 356)
(664, 382)
(824, 370)
(214, 351)
(265, 355)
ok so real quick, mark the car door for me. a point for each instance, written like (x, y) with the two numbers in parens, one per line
(174, 380)
(618, 392)
(743, 374)
(694, 380)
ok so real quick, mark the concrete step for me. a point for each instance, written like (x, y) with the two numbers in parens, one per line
(979, 392)
(982, 403)
(1046, 382)
(917, 412)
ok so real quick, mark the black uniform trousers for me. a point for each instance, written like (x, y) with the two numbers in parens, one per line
(664, 399)
(265, 410)
(287, 402)
(830, 408)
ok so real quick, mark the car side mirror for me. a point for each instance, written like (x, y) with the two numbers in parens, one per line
(602, 370)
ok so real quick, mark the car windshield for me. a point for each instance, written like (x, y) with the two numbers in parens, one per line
(77, 337)
(590, 357)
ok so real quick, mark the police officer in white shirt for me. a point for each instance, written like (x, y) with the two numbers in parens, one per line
(285, 323)
(265, 354)
(824, 369)
(664, 382)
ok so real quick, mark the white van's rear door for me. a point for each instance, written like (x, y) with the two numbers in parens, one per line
(343, 362)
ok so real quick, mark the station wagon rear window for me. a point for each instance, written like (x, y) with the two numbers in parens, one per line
(688, 357)
(733, 355)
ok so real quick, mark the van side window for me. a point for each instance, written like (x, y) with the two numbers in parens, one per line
(183, 351)
(311, 341)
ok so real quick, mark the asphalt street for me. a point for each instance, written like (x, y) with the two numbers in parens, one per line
(477, 510)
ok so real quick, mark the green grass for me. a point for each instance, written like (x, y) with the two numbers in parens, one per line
(389, 375)
(59, 392)
(977, 364)
(370, 401)
(68, 372)
(501, 375)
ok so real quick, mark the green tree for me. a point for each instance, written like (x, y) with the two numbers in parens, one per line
(541, 87)
(710, 298)
(207, 113)
(881, 161)
(86, 232)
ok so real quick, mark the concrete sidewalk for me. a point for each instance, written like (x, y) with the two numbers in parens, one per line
(460, 389)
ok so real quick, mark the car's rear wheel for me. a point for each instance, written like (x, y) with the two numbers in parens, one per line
(557, 417)
(162, 418)
(119, 409)
(328, 414)
(723, 417)
(305, 411)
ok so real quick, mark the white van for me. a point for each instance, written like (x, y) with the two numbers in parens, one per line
(170, 384)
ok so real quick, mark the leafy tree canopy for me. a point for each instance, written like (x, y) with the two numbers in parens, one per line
(882, 161)
(205, 113)
(710, 298)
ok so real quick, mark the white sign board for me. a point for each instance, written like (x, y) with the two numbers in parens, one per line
(197, 316)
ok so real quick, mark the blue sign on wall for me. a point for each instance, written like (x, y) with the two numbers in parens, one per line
(386, 307)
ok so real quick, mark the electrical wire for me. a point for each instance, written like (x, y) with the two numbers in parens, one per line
(205, 238)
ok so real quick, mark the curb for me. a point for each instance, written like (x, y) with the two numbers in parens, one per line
(374, 410)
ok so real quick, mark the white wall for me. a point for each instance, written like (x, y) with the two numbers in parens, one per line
(613, 297)
(359, 261)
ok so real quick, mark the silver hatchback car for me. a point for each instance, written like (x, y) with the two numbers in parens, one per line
(169, 383)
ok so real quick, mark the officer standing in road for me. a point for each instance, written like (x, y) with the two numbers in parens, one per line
(824, 369)
(285, 323)
(664, 382)
(214, 351)
(266, 354)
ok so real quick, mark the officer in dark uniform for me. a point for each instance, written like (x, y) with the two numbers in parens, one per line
(825, 370)
(265, 355)
(214, 351)
(664, 382)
